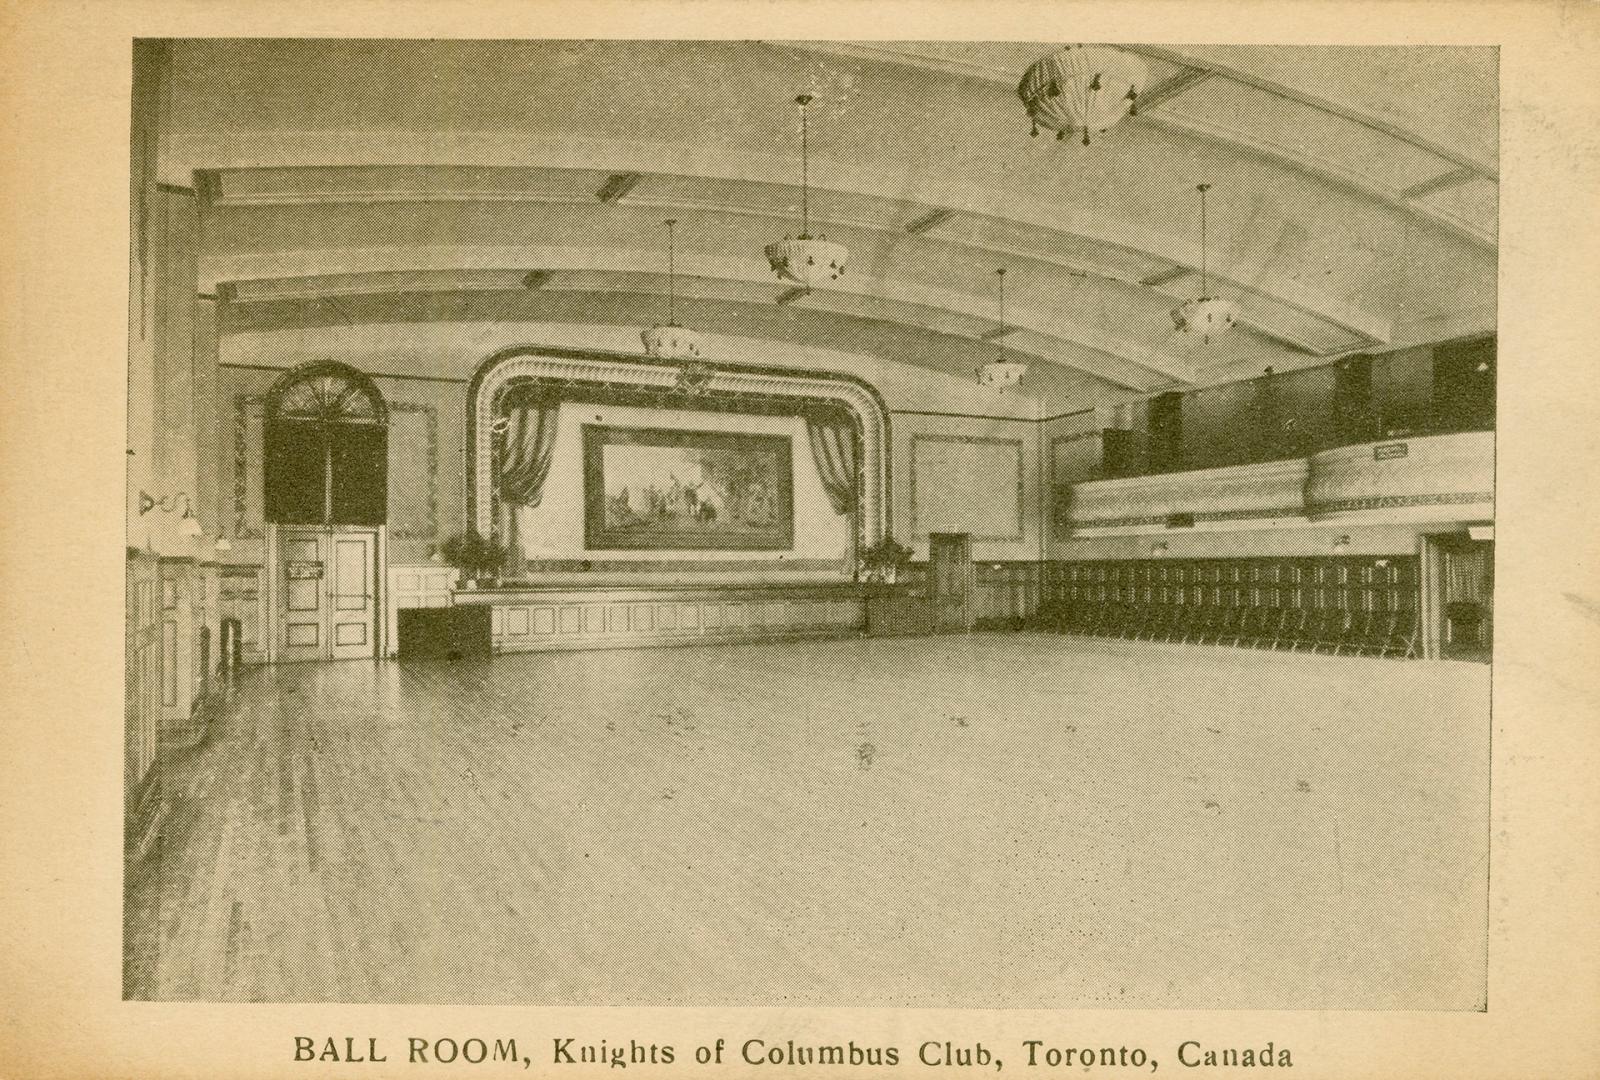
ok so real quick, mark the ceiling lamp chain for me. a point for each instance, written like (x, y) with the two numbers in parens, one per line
(1210, 316)
(1001, 373)
(670, 341)
(806, 260)
(1082, 88)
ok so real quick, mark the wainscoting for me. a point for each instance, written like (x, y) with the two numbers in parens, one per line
(608, 618)
(1341, 604)
(1003, 593)
(141, 779)
(426, 585)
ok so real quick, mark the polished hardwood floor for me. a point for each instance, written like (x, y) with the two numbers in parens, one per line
(993, 820)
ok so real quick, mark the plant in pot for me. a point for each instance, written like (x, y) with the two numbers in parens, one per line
(883, 562)
(478, 559)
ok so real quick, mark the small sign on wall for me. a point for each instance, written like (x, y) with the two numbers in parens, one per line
(303, 569)
(1389, 451)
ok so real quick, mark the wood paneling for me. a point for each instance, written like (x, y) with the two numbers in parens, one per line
(1355, 604)
(424, 585)
(627, 618)
(141, 782)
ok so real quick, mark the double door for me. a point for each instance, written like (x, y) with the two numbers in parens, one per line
(327, 593)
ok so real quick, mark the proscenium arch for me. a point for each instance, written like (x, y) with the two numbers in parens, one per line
(585, 373)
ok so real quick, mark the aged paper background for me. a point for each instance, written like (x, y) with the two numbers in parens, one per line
(64, 81)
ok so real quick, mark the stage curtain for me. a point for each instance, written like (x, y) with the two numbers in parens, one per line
(526, 447)
(833, 449)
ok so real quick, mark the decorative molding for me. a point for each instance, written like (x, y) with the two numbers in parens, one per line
(1016, 444)
(431, 419)
(684, 566)
(1269, 490)
(241, 466)
(1435, 470)
(570, 372)
(1268, 514)
(1392, 502)
(967, 416)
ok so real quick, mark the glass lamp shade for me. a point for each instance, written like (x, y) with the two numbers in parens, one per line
(1209, 316)
(190, 526)
(1001, 374)
(807, 261)
(672, 343)
(1082, 88)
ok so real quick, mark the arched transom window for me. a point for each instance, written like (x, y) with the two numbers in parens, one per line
(327, 448)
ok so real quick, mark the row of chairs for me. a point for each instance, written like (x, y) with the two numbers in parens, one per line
(1335, 630)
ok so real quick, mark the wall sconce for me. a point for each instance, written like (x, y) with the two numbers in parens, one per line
(1341, 543)
(223, 544)
(1158, 548)
(189, 526)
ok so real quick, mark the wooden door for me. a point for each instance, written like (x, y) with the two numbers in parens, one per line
(302, 594)
(327, 603)
(950, 574)
(352, 600)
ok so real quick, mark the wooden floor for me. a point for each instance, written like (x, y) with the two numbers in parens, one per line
(995, 820)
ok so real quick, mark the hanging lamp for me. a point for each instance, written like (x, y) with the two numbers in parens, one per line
(1001, 373)
(1082, 88)
(806, 260)
(1208, 316)
(669, 341)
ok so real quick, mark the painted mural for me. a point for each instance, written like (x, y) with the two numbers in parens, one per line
(662, 489)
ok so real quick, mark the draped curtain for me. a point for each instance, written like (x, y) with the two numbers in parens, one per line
(833, 449)
(526, 447)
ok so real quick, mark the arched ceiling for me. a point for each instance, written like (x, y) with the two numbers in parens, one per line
(395, 181)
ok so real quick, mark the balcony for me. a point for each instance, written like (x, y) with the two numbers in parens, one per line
(1431, 478)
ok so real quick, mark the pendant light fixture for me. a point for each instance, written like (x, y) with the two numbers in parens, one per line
(1208, 316)
(1082, 88)
(1001, 373)
(806, 260)
(669, 341)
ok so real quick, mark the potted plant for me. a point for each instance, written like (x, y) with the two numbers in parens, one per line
(882, 562)
(478, 559)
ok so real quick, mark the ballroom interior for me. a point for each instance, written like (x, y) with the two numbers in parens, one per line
(934, 524)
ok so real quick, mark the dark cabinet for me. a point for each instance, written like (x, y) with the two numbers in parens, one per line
(448, 633)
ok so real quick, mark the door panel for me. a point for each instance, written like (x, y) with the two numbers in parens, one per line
(950, 572)
(301, 590)
(327, 606)
(351, 590)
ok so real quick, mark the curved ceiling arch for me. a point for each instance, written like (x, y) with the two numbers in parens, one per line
(923, 169)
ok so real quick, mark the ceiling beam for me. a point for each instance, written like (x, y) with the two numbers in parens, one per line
(618, 185)
(1302, 162)
(1454, 178)
(1344, 112)
(931, 220)
(1114, 234)
(371, 271)
(1171, 274)
(1186, 79)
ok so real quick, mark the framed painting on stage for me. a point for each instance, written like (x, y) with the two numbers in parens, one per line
(670, 490)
